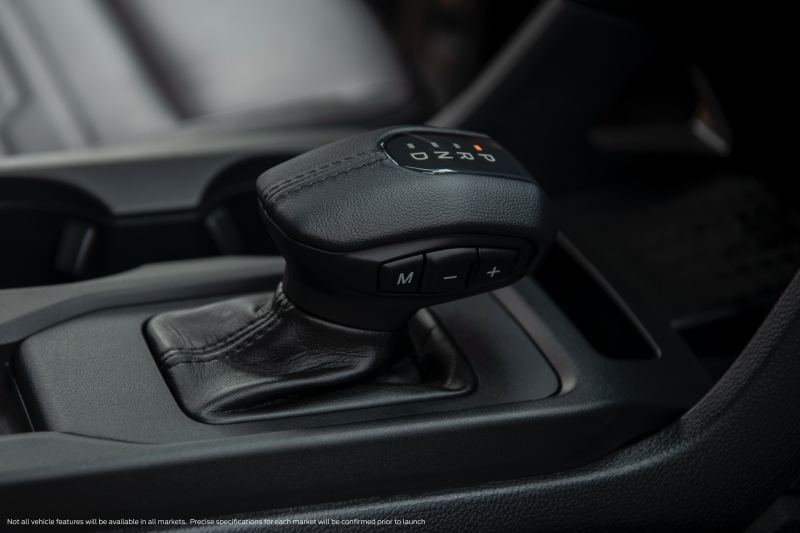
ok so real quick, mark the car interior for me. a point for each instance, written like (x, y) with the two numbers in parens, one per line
(426, 265)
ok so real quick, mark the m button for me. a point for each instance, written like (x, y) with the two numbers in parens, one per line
(402, 275)
(495, 265)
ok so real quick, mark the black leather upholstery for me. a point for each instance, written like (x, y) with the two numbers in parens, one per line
(260, 357)
(334, 199)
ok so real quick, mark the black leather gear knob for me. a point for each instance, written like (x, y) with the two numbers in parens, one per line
(379, 225)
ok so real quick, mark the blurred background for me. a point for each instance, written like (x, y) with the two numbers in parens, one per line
(82, 73)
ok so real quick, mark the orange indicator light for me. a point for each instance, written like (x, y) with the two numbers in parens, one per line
(478, 148)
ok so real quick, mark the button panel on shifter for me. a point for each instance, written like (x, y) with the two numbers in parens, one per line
(448, 270)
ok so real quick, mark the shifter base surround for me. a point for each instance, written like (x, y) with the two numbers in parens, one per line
(260, 357)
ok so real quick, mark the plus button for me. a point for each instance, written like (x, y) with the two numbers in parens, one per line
(496, 265)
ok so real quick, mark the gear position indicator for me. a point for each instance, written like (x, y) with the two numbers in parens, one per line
(436, 152)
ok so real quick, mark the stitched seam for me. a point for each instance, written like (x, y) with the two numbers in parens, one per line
(286, 183)
(231, 339)
(224, 340)
(313, 183)
(313, 170)
(259, 334)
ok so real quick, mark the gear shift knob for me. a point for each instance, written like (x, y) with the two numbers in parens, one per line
(379, 225)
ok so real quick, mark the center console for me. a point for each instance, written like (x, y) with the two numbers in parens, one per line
(406, 339)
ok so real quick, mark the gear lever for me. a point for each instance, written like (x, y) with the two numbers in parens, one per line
(377, 226)
(373, 228)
